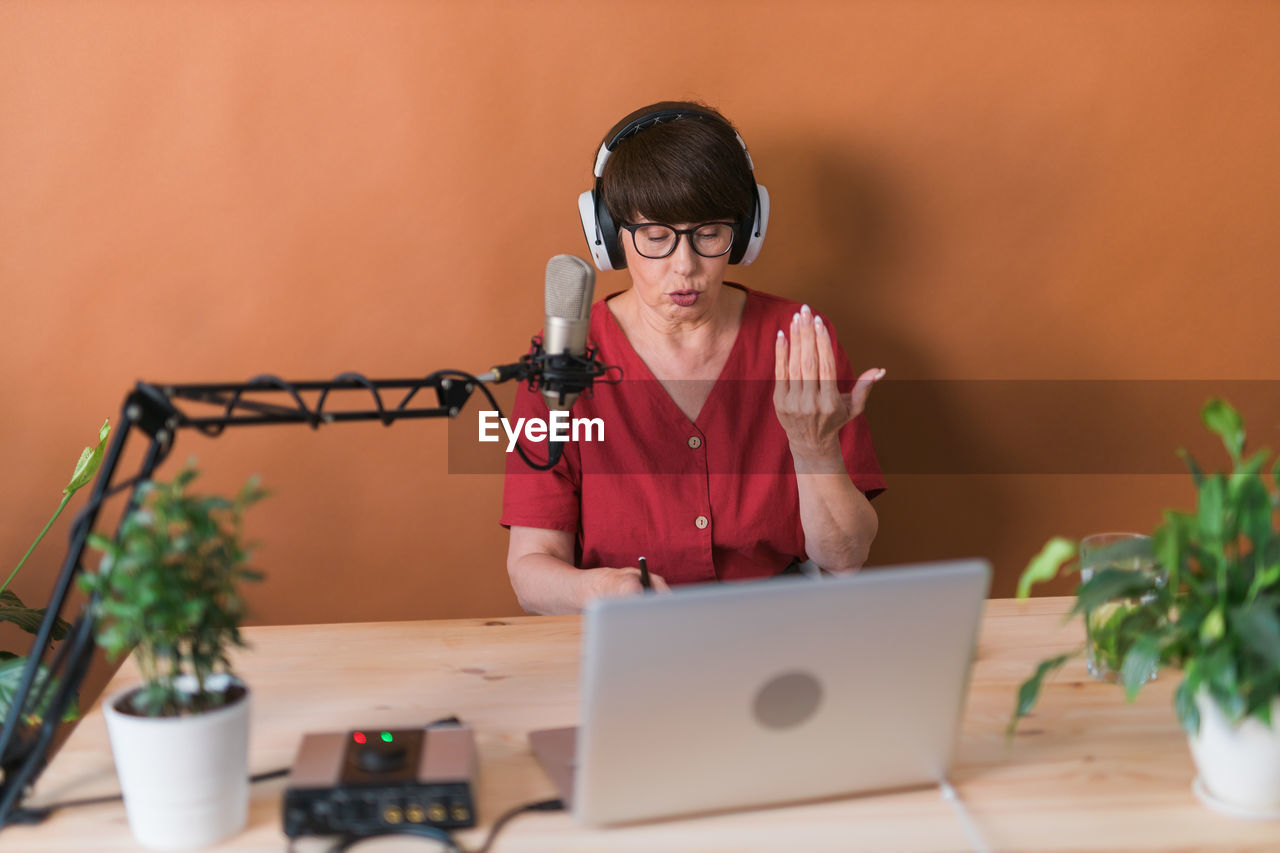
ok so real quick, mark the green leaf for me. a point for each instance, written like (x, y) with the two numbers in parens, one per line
(1104, 634)
(90, 461)
(1263, 711)
(1259, 629)
(1265, 579)
(1248, 470)
(1253, 505)
(184, 478)
(1140, 664)
(1111, 585)
(1220, 673)
(1212, 628)
(1184, 705)
(1045, 565)
(1196, 474)
(1169, 546)
(1211, 509)
(11, 675)
(251, 492)
(27, 618)
(1029, 692)
(1224, 420)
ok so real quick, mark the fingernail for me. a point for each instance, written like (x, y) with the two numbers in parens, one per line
(781, 337)
(880, 374)
(795, 318)
(805, 310)
(817, 324)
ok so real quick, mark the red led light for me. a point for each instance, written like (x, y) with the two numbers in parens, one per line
(358, 737)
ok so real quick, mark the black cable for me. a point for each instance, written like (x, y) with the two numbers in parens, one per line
(363, 381)
(537, 466)
(348, 841)
(268, 775)
(421, 830)
(509, 814)
(38, 814)
(35, 815)
(267, 380)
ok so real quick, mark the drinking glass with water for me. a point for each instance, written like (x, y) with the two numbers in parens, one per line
(1104, 651)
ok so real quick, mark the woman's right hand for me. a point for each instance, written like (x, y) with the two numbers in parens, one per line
(612, 583)
(540, 563)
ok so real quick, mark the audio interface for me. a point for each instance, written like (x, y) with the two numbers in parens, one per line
(371, 780)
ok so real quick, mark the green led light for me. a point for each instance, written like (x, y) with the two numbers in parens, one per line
(386, 737)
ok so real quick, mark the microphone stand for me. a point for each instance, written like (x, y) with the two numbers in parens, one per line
(159, 411)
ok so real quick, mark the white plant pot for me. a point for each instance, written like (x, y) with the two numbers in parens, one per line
(1239, 765)
(185, 779)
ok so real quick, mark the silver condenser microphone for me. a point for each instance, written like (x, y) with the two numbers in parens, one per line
(570, 285)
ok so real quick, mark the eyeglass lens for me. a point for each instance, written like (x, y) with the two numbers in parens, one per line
(654, 240)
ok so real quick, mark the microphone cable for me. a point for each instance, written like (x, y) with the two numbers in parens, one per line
(532, 368)
(552, 458)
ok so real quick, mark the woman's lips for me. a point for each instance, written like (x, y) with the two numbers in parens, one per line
(684, 298)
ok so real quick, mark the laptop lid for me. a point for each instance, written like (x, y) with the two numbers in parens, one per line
(738, 695)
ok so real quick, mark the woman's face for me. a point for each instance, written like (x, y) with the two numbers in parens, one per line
(682, 286)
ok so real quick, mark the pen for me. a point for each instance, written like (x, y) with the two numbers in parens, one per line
(644, 575)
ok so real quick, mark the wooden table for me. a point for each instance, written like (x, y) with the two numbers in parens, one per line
(1086, 772)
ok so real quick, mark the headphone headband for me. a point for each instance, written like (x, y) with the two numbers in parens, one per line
(643, 119)
(601, 231)
(646, 117)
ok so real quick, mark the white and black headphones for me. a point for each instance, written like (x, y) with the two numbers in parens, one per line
(601, 231)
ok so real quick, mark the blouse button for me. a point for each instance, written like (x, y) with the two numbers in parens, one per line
(701, 522)
(695, 442)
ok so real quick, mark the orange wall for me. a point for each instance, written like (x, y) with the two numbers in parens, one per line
(971, 190)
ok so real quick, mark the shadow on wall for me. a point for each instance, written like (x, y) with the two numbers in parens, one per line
(842, 233)
(978, 466)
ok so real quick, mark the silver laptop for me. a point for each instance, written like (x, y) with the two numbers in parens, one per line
(738, 695)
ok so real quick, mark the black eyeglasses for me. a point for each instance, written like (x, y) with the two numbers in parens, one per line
(654, 240)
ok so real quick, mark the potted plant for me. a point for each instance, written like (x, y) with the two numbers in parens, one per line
(168, 587)
(1211, 610)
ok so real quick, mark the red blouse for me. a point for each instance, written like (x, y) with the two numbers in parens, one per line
(711, 499)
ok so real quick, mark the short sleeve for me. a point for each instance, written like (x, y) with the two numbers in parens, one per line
(542, 499)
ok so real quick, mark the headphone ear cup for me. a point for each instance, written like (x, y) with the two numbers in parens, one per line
(596, 243)
(752, 239)
(608, 232)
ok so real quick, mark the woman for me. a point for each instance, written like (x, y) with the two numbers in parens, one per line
(735, 446)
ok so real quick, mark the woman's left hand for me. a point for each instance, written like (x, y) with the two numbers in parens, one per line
(809, 405)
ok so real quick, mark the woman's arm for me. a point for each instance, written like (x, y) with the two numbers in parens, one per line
(839, 522)
(540, 564)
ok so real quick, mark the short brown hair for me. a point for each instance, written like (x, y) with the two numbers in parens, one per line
(690, 169)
